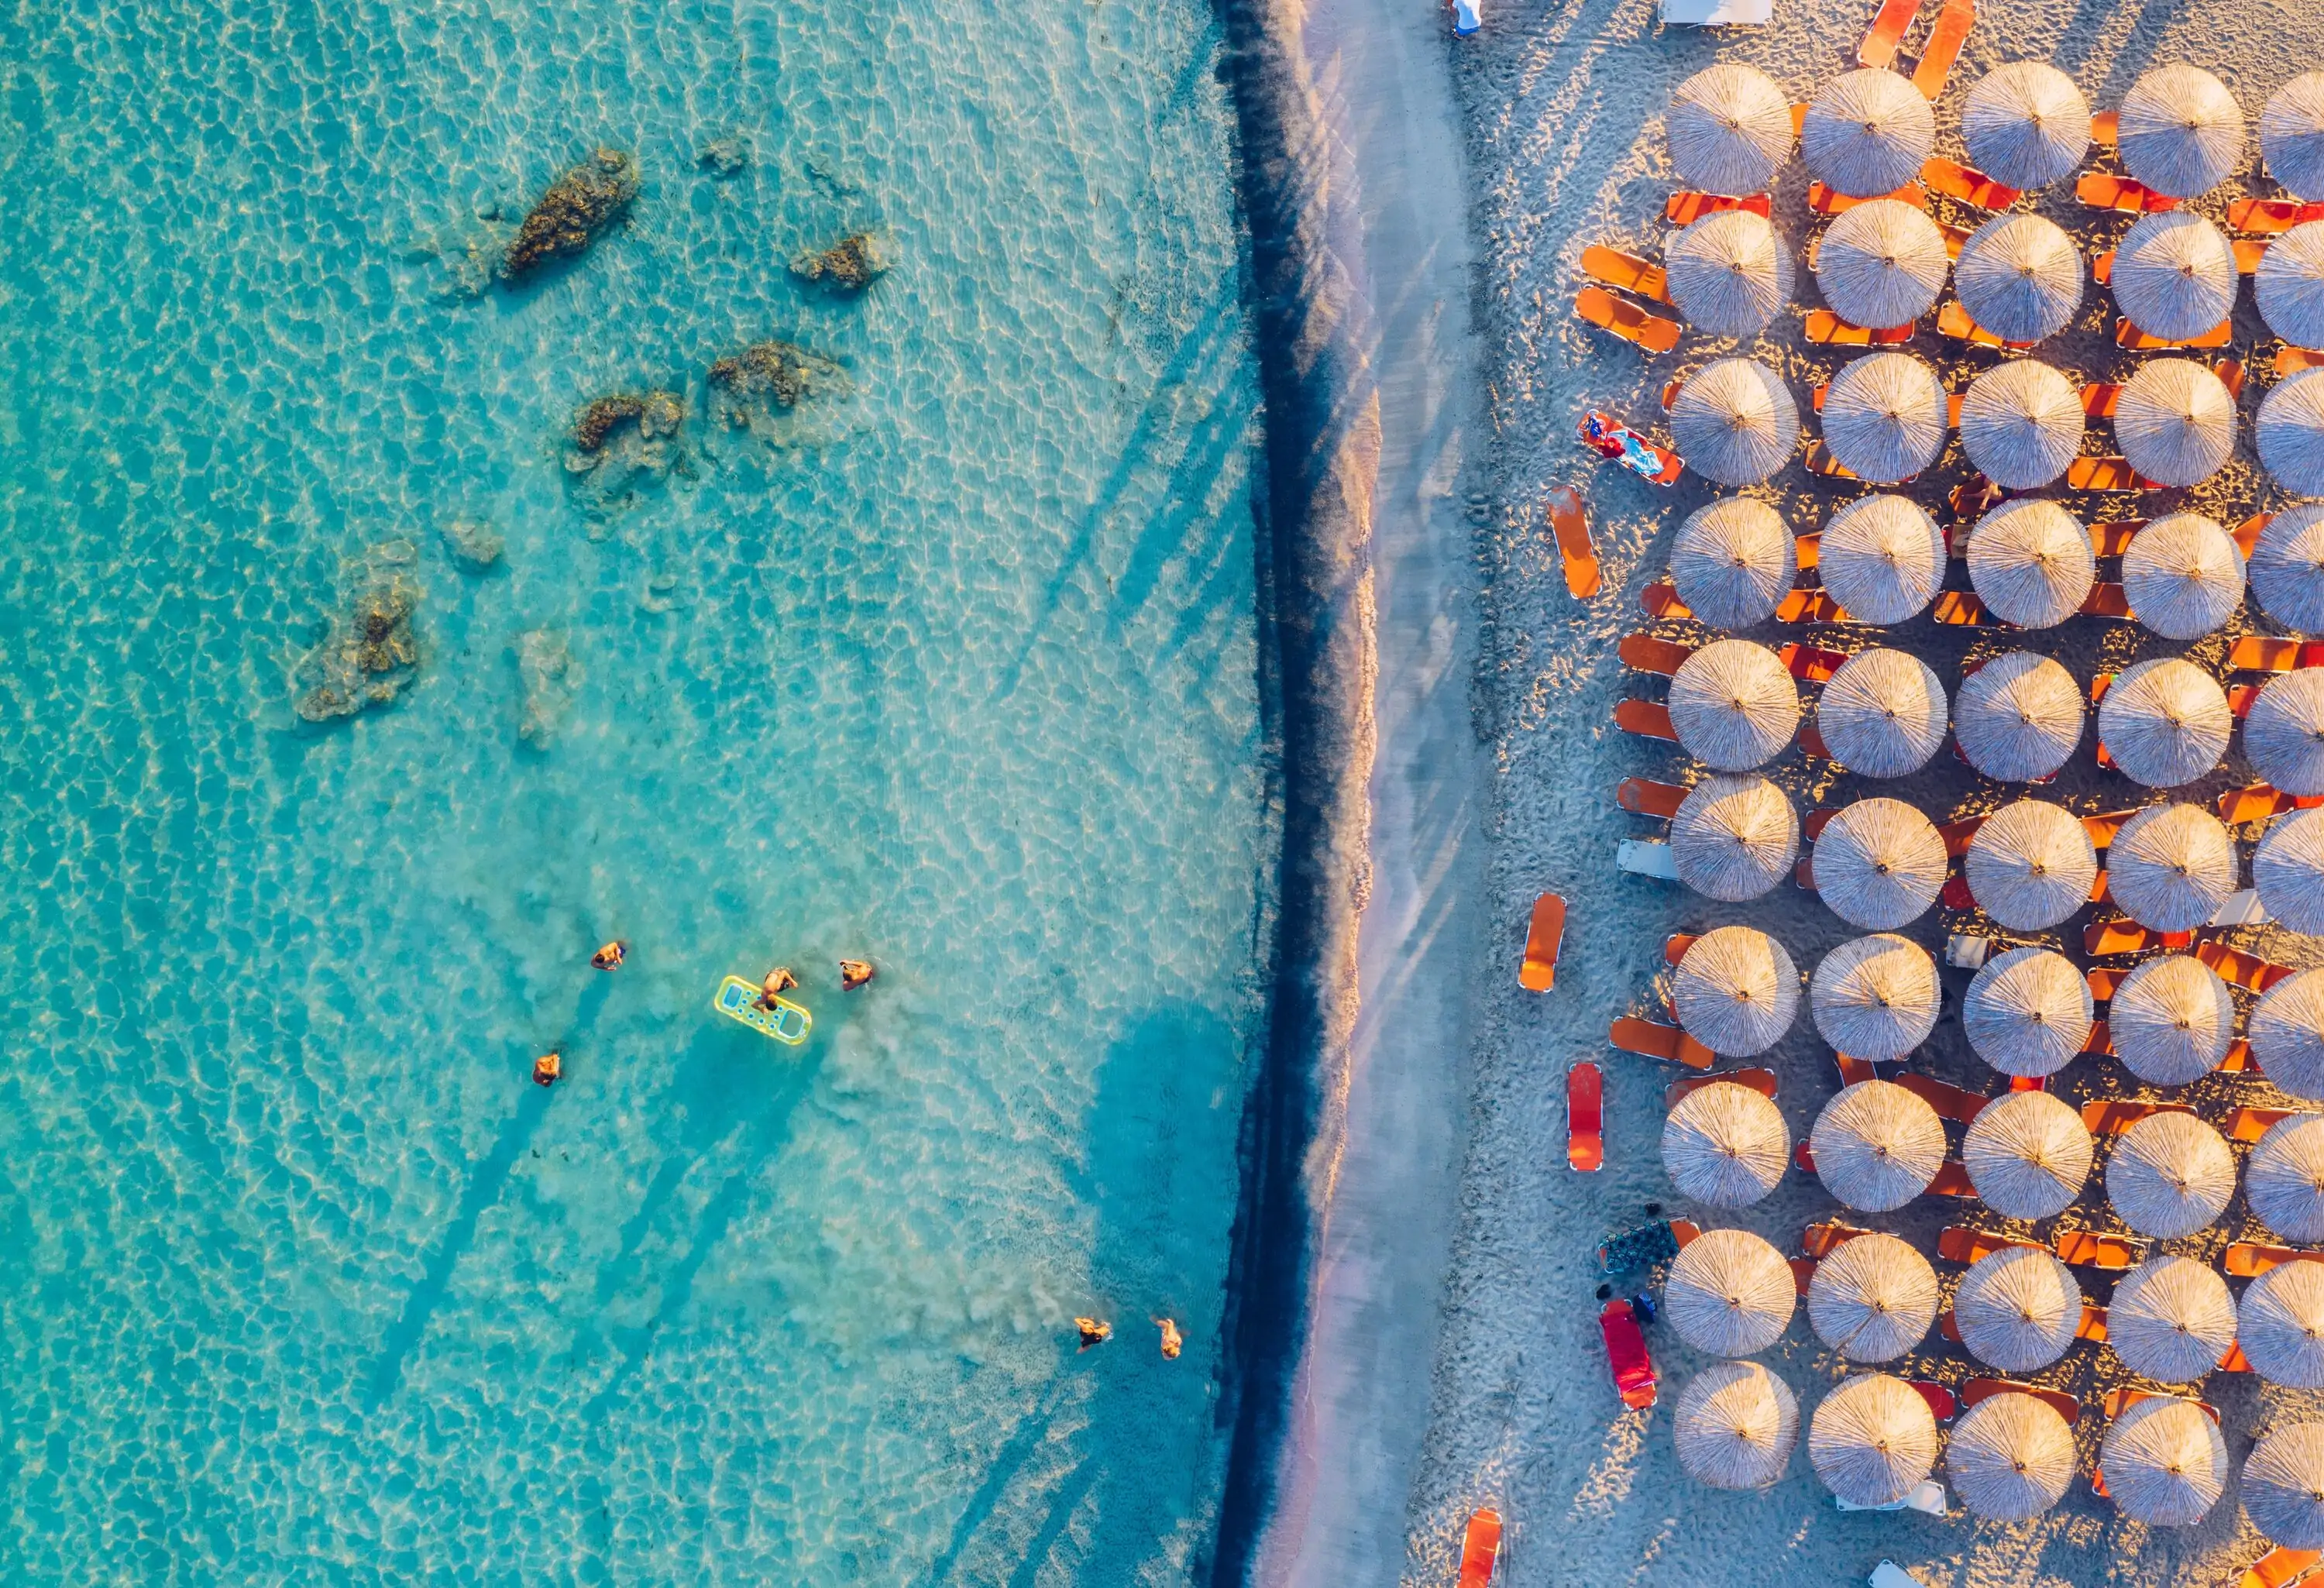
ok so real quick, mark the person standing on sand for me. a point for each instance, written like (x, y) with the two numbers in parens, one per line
(855, 974)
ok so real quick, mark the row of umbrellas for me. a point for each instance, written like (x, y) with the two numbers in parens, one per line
(1866, 132)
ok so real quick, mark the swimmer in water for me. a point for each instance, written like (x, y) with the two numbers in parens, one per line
(778, 980)
(1094, 1332)
(1172, 1340)
(548, 1069)
(855, 974)
(609, 957)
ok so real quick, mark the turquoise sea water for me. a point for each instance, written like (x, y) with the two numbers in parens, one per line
(301, 1281)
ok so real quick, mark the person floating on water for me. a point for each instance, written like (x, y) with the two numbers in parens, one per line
(855, 974)
(548, 1069)
(779, 981)
(610, 957)
(1172, 1342)
(1094, 1332)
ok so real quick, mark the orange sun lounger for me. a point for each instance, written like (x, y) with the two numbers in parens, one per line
(1644, 797)
(2291, 360)
(2058, 1400)
(1627, 320)
(1660, 599)
(1570, 523)
(2258, 801)
(1648, 654)
(1965, 184)
(2105, 473)
(2247, 1259)
(1585, 1096)
(2270, 217)
(1684, 209)
(1958, 1104)
(2249, 1124)
(1889, 26)
(1824, 200)
(1944, 46)
(1481, 1546)
(1653, 1039)
(2099, 191)
(1763, 1082)
(1953, 321)
(1628, 271)
(2126, 335)
(1543, 936)
(1648, 719)
(2265, 653)
(2281, 1568)
(1625, 1355)
(1828, 328)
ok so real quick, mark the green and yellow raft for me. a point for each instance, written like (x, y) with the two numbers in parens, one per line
(738, 1000)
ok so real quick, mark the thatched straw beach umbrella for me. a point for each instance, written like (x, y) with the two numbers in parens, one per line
(2020, 277)
(2011, 1456)
(2027, 1155)
(2165, 1463)
(1874, 997)
(1730, 1293)
(2291, 135)
(2027, 1012)
(2180, 131)
(2280, 1324)
(2175, 422)
(2288, 870)
(1885, 417)
(1876, 1146)
(2285, 734)
(1881, 263)
(2291, 433)
(1882, 557)
(2166, 723)
(2170, 1175)
(2175, 274)
(1733, 562)
(1730, 128)
(2283, 1481)
(2018, 718)
(1736, 991)
(1879, 864)
(2285, 1179)
(1729, 273)
(2290, 285)
(2171, 1319)
(2030, 562)
(1873, 1299)
(2021, 424)
(2172, 867)
(2286, 1032)
(2017, 1309)
(1725, 1145)
(1873, 1440)
(1734, 837)
(2287, 567)
(2026, 125)
(2171, 1020)
(1735, 422)
(2183, 575)
(1883, 714)
(2031, 864)
(1736, 1425)
(1734, 705)
(1867, 134)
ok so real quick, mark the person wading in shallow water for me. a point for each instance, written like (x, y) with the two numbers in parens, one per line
(1093, 1331)
(855, 974)
(610, 957)
(779, 981)
(548, 1069)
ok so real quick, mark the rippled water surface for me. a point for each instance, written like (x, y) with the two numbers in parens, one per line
(301, 1281)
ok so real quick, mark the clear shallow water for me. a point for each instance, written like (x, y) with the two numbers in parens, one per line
(300, 1280)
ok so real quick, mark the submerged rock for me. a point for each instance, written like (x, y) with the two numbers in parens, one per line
(579, 207)
(544, 662)
(768, 379)
(723, 157)
(370, 654)
(854, 263)
(625, 440)
(475, 545)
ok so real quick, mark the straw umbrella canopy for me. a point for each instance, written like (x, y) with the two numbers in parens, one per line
(1876, 1146)
(1736, 1425)
(1730, 1293)
(2027, 1155)
(2280, 1324)
(2291, 135)
(2026, 125)
(1734, 837)
(2283, 1479)
(2165, 1463)
(2010, 1457)
(2180, 131)
(2291, 433)
(1735, 422)
(2285, 1179)
(1873, 1440)
(2031, 864)
(1881, 263)
(1873, 1298)
(2183, 575)
(1736, 991)
(1867, 134)
(1879, 864)
(2283, 736)
(2027, 1012)
(2170, 1175)
(1734, 705)
(2020, 277)
(1733, 560)
(2166, 722)
(2017, 1309)
(2286, 1032)
(2175, 274)
(1874, 997)
(2172, 867)
(2171, 1020)
(1730, 128)
(1882, 557)
(1885, 417)
(2175, 422)
(2021, 424)
(1725, 1145)
(2288, 870)
(2290, 285)
(1883, 714)
(2030, 562)
(2171, 1319)
(2287, 567)
(2018, 718)
(1729, 273)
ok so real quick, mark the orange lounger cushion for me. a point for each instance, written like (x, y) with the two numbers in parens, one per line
(1570, 523)
(1481, 1546)
(1585, 1144)
(1543, 937)
(1888, 28)
(1945, 41)
(1627, 320)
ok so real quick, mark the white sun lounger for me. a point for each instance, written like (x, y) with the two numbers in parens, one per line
(1928, 1495)
(1889, 1574)
(1646, 857)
